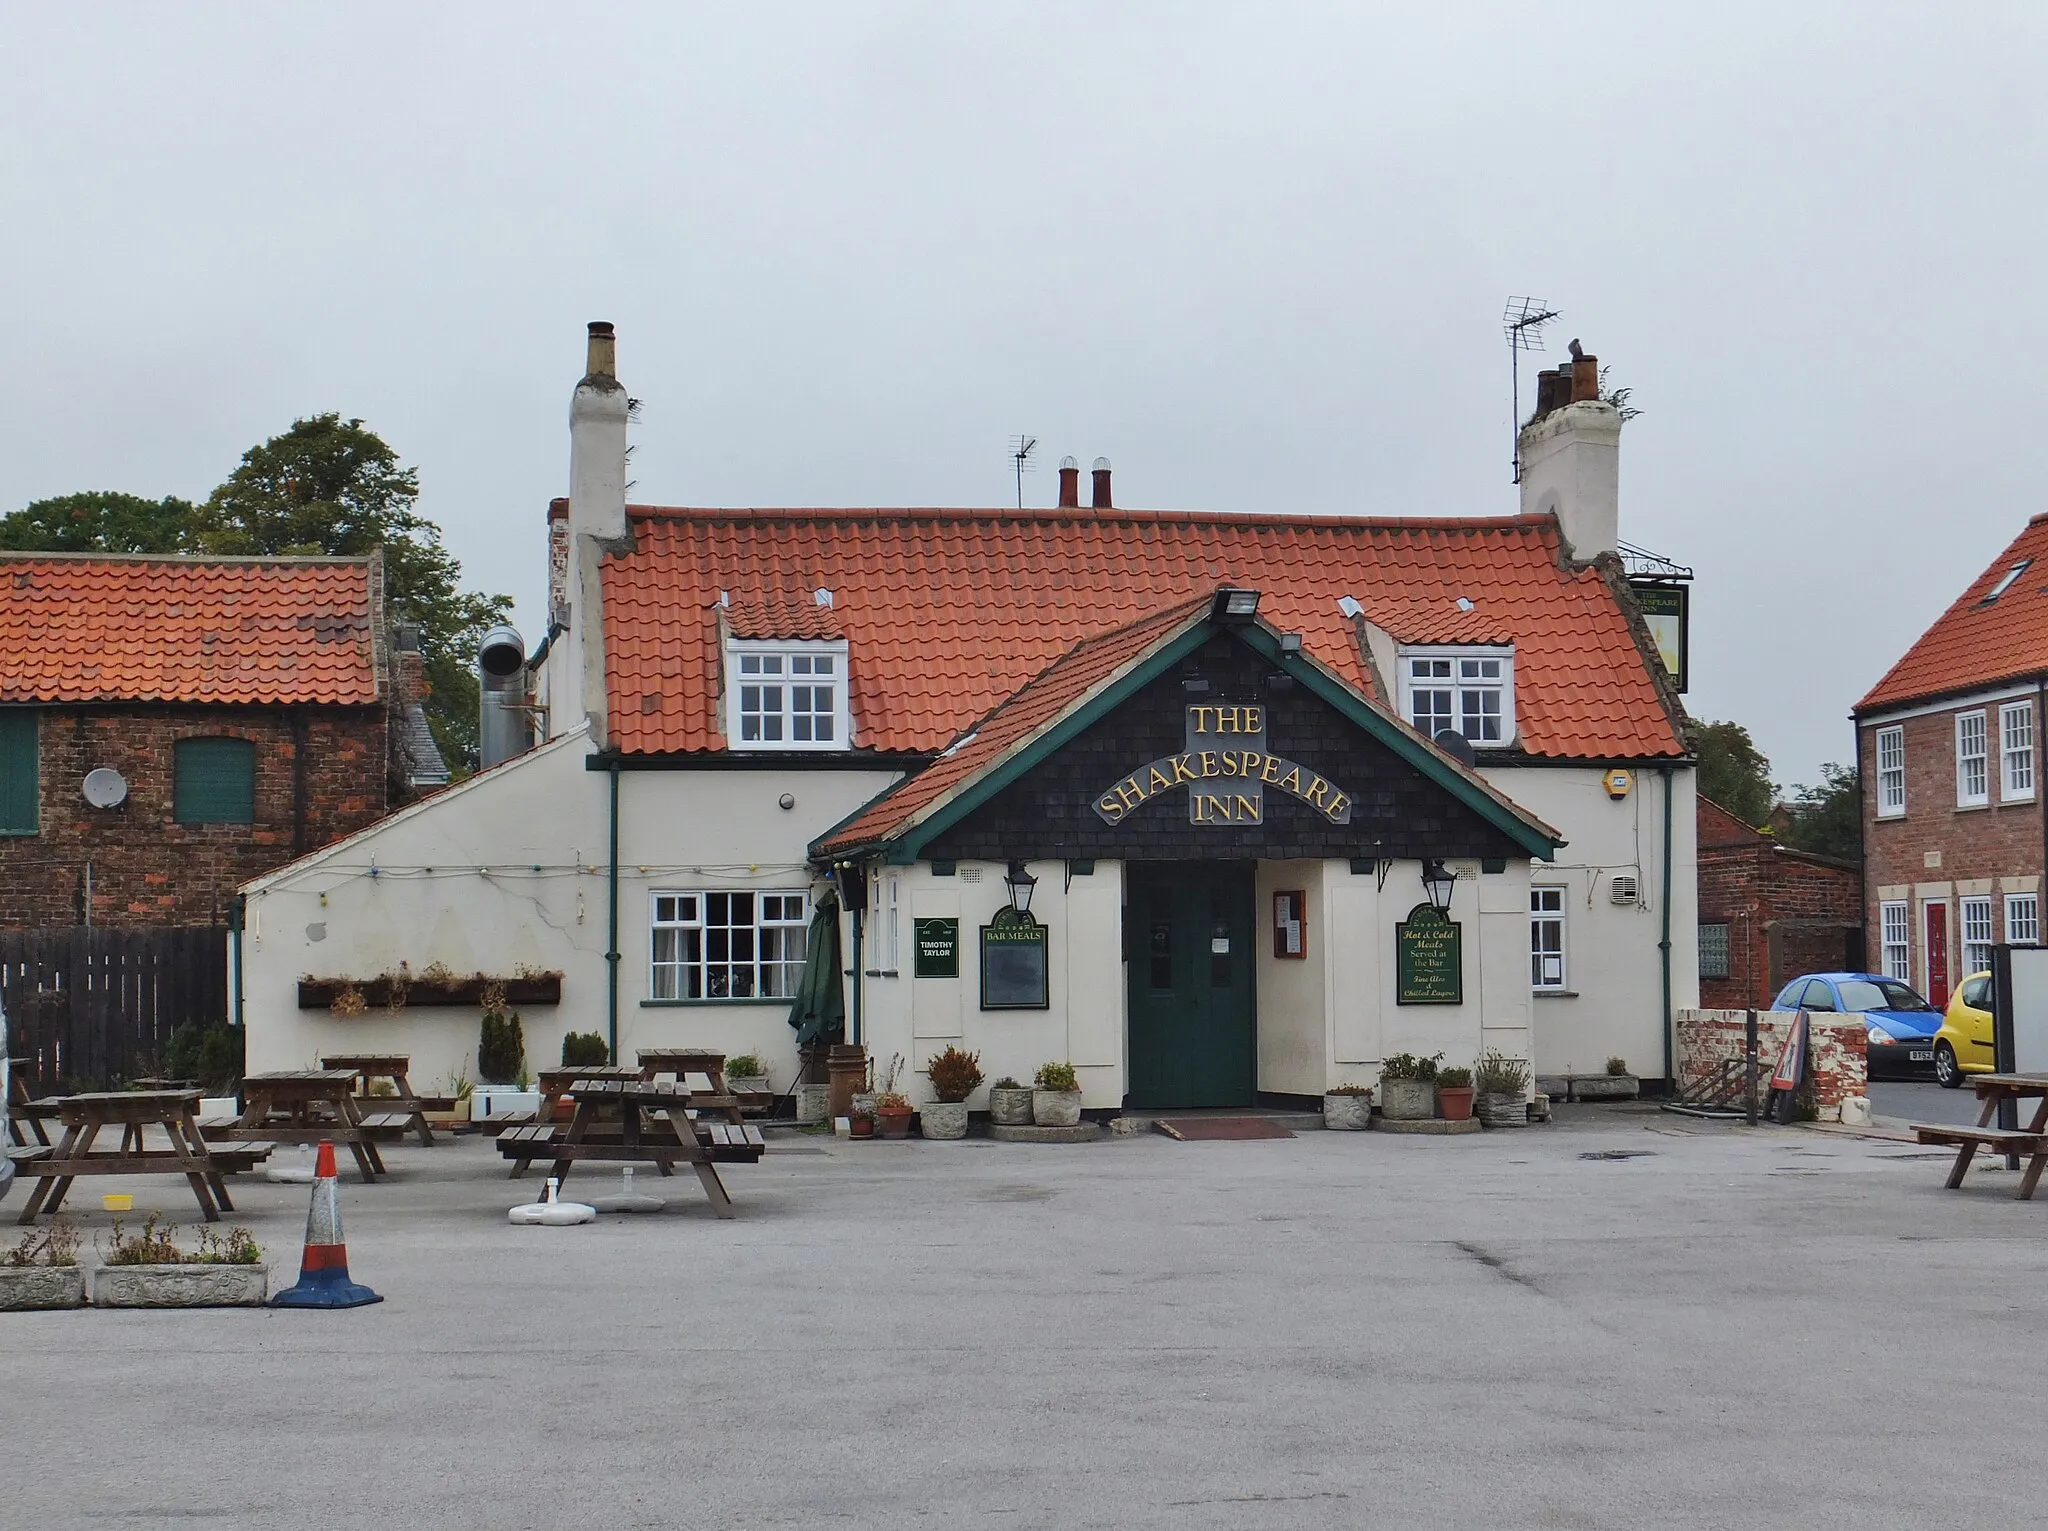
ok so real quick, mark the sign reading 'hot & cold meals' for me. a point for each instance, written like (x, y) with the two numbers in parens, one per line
(1226, 769)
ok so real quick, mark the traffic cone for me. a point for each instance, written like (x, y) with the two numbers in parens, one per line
(323, 1272)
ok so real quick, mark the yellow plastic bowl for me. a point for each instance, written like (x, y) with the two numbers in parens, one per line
(118, 1201)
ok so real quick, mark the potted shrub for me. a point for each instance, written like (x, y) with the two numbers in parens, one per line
(1009, 1103)
(500, 1061)
(860, 1122)
(585, 1049)
(42, 1271)
(1454, 1094)
(1348, 1107)
(148, 1270)
(1056, 1096)
(955, 1075)
(893, 1112)
(746, 1075)
(1408, 1087)
(1503, 1085)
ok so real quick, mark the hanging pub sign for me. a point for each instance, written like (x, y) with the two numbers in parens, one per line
(1429, 959)
(1014, 963)
(1666, 612)
(937, 947)
(1226, 770)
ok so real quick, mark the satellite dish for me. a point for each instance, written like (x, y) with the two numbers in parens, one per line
(1455, 745)
(105, 788)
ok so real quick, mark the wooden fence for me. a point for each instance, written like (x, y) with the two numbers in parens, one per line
(90, 1007)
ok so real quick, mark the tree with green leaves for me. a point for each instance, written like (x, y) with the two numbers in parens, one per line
(1828, 819)
(101, 521)
(330, 485)
(1733, 772)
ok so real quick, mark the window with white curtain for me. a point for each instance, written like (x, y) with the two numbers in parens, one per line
(1973, 772)
(1895, 927)
(721, 945)
(1546, 938)
(1977, 937)
(1891, 773)
(2016, 751)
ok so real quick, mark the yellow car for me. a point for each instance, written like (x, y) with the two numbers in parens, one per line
(1963, 1045)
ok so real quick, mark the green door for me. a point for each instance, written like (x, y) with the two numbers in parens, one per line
(1192, 1040)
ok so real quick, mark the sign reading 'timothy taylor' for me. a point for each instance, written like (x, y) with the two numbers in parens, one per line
(1226, 770)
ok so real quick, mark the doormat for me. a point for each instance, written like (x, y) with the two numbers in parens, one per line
(1218, 1129)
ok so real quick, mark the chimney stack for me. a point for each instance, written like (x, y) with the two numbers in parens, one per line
(1102, 499)
(596, 525)
(1070, 484)
(1571, 458)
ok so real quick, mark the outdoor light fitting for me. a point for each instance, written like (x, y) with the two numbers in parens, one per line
(1438, 881)
(1022, 885)
(1234, 606)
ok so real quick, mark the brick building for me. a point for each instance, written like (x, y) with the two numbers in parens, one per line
(1947, 746)
(171, 727)
(1769, 913)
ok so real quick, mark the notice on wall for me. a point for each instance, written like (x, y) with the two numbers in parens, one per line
(1429, 959)
(938, 947)
(1226, 769)
(1290, 924)
(1015, 964)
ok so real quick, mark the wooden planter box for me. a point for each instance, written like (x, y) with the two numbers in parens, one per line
(463, 993)
(180, 1286)
(41, 1286)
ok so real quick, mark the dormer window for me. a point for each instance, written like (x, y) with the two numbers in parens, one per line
(787, 696)
(1470, 691)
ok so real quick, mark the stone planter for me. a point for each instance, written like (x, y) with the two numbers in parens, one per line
(1055, 1108)
(180, 1286)
(489, 1102)
(1498, 1110)
(1010, 1108)
(944, 1119)
(1407, 1100)
(747, 1084)
(41, 1286)
(1605, 1087)
(1347, 1113)
(813, 1103)
(863, 1103)
(219, 1105)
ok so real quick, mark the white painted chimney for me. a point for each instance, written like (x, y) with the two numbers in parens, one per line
(597, 525)
(1571, 458)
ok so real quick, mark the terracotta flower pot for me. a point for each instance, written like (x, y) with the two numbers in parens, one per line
(1454, 1102)
(893, 1124)
(861, 1126)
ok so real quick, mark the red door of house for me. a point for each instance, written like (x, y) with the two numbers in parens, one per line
(1937, 956)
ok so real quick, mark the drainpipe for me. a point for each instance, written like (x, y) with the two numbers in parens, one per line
(1664, 944)
(860, 983)
(611, 956)
(236, 920)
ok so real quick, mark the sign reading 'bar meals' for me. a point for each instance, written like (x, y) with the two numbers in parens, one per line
(1226, 770)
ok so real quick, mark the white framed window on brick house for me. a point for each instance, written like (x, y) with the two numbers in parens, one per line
(1894, 922)
(727, 945)
(1469, 690)
(2016, 752)
(1973, 766)
(1546, 939)
(787, 696)
(2022, 919)
(1975, 919)
(1891, 773)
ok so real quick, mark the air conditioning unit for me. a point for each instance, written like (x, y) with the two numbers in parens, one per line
(1622, 889)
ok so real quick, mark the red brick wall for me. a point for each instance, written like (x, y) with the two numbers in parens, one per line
(1786, 913)
(2002, 840)
(1840, 1051)
(147, 869)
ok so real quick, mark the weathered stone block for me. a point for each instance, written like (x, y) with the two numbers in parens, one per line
(1080, 1132)
(1605, 1087)
(41, 1286)
(180, 1286)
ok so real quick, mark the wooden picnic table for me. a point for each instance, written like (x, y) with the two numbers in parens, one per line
(175, 1111)
(654, 1125)
(309, 1106)
(554, 1084)
(2030, 1142)
(395, 1067)
(25, 1117)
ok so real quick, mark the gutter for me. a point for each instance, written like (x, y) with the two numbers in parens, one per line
(1664, 942)
(611, 956)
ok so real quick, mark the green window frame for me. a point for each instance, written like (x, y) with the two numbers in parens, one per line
(214, 781)
(21, 772)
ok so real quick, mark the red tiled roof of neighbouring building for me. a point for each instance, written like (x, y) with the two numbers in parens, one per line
(88, 628)
(1979, 640)
(946, 612)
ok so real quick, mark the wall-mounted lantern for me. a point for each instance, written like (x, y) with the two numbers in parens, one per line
(1022, 885)
(1439, 881)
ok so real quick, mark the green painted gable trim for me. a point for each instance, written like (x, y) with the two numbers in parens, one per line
(907, 848)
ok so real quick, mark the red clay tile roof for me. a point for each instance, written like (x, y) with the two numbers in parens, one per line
(150, 629)
(947, 612)
(1041, 701)
(1973, 644)
(779, 617)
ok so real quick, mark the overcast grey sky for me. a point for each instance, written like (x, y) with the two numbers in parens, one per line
(1256, 254)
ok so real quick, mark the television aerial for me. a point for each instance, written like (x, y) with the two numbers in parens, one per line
(1021, 448)
(1522, 321)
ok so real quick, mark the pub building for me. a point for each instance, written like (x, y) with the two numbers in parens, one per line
(1220, 808)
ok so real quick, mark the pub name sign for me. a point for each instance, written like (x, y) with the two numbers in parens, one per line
(1226, 769)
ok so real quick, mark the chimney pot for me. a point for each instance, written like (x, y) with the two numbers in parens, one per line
(1585, 379)
(1102, 500)
(1070, 484)
(1546, 393)
(604, 351)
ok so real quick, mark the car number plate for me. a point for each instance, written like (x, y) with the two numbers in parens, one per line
(1926, 1057)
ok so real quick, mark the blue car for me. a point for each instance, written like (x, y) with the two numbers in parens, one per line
(1901, 1024)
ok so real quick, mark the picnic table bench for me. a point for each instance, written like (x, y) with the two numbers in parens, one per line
(654, 1124)
(2029, 1142)
(25, 1117)
(309, 1106)
(380, 1110)
(131, 1110)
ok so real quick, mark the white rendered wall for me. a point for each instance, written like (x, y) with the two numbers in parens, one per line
(428, 903)
(1613, 1005)
(1294, 1015)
